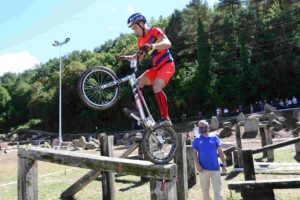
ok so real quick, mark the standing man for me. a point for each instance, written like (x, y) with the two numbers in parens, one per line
(206, 149)
(157, 44)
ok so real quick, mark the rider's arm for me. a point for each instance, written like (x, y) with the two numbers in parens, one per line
(135, 56)
(164, 43)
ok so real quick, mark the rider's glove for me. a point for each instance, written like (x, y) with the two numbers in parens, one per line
(148, 46)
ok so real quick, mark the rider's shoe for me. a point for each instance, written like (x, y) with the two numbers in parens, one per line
(163, 123)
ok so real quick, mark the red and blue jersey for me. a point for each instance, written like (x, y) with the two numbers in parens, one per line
(159, 57)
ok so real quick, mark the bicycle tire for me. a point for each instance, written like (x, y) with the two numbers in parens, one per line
(153, 156)
(90, 92)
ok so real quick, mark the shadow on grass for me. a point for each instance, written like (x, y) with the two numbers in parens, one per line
(297, 158)
(232, 175)
(135, 184)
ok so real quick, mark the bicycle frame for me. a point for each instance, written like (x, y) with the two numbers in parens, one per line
(148, 121)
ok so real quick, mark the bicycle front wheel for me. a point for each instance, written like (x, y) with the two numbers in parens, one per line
(91, 91)
(160, 145)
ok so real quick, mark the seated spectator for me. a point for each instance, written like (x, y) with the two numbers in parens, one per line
(294, 101)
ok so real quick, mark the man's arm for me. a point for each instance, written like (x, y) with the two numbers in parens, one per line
(198, 166)
(222, 156)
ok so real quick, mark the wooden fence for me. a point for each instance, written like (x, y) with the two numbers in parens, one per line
(250, 187)
(157, 174)
(175, 178)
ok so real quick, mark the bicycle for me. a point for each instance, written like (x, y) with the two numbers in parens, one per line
(99, 89)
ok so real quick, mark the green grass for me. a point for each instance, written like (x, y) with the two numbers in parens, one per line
(129, 187)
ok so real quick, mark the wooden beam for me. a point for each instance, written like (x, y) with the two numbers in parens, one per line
(249, 172)
(275, 146)
(27, 179)
(108, 178)
(109, 164)
(180, 160)
(265, 184)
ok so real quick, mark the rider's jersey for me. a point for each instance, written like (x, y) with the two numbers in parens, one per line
(159, 57)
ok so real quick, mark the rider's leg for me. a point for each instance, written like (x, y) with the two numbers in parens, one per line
(142, 82)
(164, 74)
(161, 98)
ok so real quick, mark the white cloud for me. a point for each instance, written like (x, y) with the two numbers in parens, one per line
(110, 28)
(114, 10)
(17, 62)
(130, 9)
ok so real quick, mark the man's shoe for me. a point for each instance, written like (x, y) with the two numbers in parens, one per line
(163, 123)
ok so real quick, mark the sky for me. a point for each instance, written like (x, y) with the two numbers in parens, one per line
(28, 28)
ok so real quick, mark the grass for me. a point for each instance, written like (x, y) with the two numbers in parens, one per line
(54, 179)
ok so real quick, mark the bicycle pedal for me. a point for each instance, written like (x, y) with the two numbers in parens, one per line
(127, 111)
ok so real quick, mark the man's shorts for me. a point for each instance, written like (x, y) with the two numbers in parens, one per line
(165, 73)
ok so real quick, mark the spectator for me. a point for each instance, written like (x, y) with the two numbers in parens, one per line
(281, 104)
(225, 111)
(200, 115)
(251, 109)
(294, 101)
(188, 138)
(196, 131)
(288, 103)
(205, 151)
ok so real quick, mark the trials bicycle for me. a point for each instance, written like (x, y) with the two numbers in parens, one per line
(99, 89)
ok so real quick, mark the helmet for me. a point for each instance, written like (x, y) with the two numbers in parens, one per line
(135, 18)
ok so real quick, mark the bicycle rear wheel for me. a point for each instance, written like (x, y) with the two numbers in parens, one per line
(160, 145)
(91, 92)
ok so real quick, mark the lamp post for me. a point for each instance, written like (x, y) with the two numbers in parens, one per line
(59, 44)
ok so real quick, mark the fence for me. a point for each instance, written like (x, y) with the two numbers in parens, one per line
(157, 174)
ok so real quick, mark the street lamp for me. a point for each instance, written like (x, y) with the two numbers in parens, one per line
(56, 44)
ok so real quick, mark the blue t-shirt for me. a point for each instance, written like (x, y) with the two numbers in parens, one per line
(207, 151)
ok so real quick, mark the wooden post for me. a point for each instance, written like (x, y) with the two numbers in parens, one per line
(270, 153)
(239, 155)
(229, 155)
(163, 191)
(262, 132)
(297, 145)
(27, 179)
(180, 160)
(249, 172)
(108, 178)
(191, 171)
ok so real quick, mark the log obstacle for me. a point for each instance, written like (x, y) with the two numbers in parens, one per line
(28, 170)
(250, 187)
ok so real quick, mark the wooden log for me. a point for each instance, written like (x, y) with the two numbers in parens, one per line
(163, 191)
(80, 184)
(191, 171)
(297, 145)
(249, 172)
(93, 174)
(108, 178)
(264, 184)
(110, 164)
(229, 155)
(278, 145)
(239, 158)
(27, 179)
(262, 132)
(269, 141)
(180, 160)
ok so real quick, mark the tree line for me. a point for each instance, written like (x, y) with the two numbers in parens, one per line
(232, 54)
